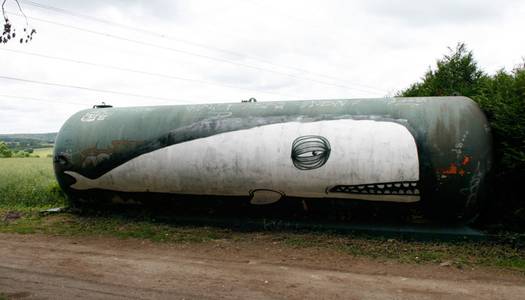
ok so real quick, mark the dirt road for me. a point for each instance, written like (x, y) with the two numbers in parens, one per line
(40, 267)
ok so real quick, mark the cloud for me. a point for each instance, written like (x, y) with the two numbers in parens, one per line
(137, 8)
(429, 13)
(332, 49)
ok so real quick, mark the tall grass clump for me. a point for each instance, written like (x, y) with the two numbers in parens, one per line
(28, 183)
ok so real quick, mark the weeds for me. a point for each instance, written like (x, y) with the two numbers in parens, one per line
(28, 183)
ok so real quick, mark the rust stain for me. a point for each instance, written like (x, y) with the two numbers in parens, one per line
(455, 169)
(116, 146)
(451, 170)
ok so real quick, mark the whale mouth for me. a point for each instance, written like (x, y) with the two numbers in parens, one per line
(398, 188)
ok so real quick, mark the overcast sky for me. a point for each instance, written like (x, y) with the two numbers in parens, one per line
(195, 51)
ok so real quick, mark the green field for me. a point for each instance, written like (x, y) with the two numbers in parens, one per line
(29, 182)
(43, 152)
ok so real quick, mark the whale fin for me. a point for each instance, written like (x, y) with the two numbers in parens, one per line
(82, 183)
(264, 196)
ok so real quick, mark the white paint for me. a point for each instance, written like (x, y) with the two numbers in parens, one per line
(95, 115)
(235, 163)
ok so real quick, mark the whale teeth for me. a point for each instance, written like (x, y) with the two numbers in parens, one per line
(393, 188)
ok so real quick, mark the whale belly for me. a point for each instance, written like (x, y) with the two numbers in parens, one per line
(361, 159)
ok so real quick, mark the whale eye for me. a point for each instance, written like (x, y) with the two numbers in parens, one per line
(310, 152)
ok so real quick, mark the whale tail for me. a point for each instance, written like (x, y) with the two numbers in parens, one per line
(82, 183)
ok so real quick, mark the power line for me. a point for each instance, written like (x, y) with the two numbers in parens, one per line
(90, 89)
(78, 15)
(164, 36)
(108, 35)
(199, 81)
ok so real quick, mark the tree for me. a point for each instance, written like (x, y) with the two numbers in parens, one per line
(4, 150)
(502, 97)
(456, 74)
(9, 32)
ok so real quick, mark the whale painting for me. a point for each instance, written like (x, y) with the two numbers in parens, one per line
(433, 153)
(344, 158)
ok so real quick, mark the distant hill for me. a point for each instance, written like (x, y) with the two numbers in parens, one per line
(27, 141)
(42, 137)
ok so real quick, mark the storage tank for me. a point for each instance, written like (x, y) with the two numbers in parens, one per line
(435, 150)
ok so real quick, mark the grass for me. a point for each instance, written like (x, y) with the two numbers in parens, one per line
(109, 225)
(28, 185)
(43, 152)
(459, 254)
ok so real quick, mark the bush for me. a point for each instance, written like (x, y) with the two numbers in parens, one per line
(20, 154)
(4, 150)
(502, 97)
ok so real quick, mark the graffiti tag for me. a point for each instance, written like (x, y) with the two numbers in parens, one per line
(93, 116)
